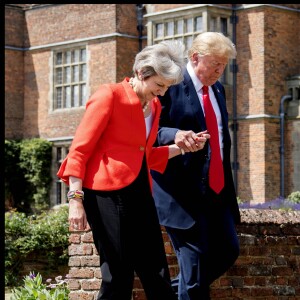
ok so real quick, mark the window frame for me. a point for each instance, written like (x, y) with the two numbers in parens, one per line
(59, 188)
(75, 87)
(207, 12)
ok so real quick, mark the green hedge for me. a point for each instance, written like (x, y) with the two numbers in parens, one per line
(47, 233)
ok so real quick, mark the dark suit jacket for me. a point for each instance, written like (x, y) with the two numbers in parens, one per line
(181, 191)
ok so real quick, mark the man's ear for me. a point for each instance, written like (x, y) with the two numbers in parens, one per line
(195, 58)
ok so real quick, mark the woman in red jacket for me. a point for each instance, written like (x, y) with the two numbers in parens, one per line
(107, 170)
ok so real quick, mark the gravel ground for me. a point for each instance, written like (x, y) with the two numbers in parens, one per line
(269, 216)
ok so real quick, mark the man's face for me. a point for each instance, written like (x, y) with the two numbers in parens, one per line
(209, 68)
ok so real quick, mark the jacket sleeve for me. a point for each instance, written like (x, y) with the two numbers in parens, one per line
(158, 158)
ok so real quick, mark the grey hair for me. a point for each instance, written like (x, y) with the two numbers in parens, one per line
(212, 43)
(165, 59)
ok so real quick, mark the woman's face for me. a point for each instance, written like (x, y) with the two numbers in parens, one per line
(151, 87)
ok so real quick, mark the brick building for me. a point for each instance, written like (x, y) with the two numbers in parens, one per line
(56, 55)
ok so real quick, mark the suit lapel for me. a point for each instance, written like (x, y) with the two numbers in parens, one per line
(156, 111)
(193, 99)
(220, 99)
(222, 106)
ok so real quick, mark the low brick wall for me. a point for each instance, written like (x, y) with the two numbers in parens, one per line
(38, 262)
(268, 267)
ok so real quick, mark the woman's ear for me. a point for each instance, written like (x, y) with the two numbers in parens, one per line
(140, 76)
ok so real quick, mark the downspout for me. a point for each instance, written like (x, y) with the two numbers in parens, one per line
(281, 149)
(234, 20)
(140, 27)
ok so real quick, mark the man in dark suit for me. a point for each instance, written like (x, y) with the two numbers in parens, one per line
(199, 217)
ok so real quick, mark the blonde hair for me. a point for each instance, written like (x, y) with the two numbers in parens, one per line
(165, 59)
(212, 43)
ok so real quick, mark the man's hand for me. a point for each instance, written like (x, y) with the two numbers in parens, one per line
(189, 141)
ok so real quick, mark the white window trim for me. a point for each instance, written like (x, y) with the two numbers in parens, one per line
(52, 102)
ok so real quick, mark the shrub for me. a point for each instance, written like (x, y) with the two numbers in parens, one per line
(46, 233)
(291, 203)
(239, 200)
(14, 176)
(35, 160)
(34, 288)
(294, 197)
(27, 166)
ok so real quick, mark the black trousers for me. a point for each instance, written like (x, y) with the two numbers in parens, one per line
(128, 238)
(204, 252)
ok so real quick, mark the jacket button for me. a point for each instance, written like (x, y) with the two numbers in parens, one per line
(142, 148)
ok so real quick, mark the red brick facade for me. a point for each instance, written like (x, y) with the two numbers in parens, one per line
(267, 40)
(72, 23)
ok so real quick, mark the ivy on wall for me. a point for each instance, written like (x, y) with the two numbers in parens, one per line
(27, 174)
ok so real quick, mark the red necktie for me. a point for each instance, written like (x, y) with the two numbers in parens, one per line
(216, 173)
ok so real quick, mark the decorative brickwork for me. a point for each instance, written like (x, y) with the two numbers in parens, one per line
(268, 267)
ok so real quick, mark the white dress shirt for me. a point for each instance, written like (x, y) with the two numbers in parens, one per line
(198, 86)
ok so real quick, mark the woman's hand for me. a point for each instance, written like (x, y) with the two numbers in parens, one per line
(77, 215)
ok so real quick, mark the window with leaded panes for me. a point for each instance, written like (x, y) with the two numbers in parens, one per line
(185, 24)
(182, 29)
(69, 78)
(61, 189)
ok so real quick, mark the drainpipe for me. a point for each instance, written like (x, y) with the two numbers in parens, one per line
(234, 69)
(281, 149)
(140, 27)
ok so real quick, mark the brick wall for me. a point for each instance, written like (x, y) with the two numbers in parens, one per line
(110, 59)
(263, 66)
(38, 262)
(268, 267)
(14, 76)
(267, 39)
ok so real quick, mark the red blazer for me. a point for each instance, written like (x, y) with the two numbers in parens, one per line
(110, 141)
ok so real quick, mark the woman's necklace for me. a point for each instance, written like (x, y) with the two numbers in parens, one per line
(146, 104)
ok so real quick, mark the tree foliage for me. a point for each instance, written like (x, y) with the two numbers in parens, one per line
(27, 174)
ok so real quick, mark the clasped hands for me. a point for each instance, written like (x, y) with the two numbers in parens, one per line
(189, 141)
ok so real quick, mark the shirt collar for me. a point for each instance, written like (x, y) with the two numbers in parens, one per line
(197, 83)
